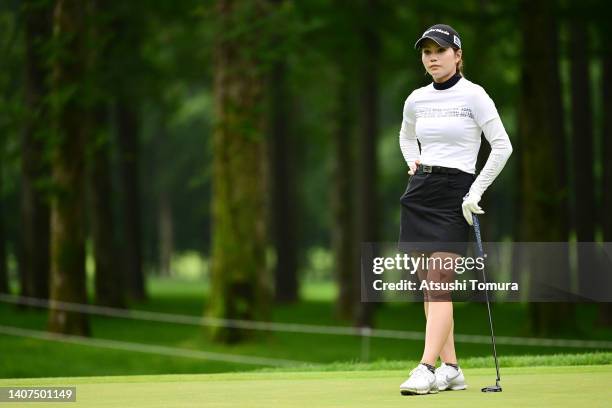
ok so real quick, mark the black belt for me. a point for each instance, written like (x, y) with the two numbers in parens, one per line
(424, 168)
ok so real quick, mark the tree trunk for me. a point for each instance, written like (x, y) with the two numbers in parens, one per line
(605, 309)
(35, 212)
(240, 282)
(128, 130)
(284, 202)
(607, 146)
(343, 228)
(68, 163)
(544, 187)
(4, 283)
(108, 282)
(582, 133)
(582, 147)
(166, 233)
(125, 71)
(368, 218)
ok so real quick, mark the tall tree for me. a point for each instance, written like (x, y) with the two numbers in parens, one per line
(343, 52)
(126, 67)
(4, 284)
(284, 206)
(239, 275)
(544, 190)
(35, 212)
(605, 308)
(582, 130)
(165, 163)
(108, 282)
(283, 196)
(343, 229)
(128, 128)
(368, 217)
(166, 231)
(68, 166)
(582, 149)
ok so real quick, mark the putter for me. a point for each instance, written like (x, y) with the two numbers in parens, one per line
(496, 387)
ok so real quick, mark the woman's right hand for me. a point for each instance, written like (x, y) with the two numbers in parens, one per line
(413, 167)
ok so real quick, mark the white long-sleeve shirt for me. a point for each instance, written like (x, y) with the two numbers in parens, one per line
(448, 124)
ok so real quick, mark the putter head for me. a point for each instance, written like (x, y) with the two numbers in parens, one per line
(492, 388)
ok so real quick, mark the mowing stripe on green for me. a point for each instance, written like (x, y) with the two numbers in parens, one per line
(525, 387)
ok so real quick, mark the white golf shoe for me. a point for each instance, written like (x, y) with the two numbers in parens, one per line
(449, 378)
(421, 381)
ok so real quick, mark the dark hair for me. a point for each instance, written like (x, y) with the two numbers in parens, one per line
(460, 63)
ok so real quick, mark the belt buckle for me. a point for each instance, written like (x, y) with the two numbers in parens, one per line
(426, 168)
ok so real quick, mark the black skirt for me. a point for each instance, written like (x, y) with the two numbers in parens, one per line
(431, 215)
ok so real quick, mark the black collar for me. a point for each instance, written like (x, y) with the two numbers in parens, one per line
(448, 83)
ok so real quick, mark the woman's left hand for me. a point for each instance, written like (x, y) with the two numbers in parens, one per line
(470, 206)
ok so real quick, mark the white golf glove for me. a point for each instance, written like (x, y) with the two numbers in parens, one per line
(470, 206)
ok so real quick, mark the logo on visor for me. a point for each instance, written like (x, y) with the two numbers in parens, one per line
(437, 30)
(457, 41)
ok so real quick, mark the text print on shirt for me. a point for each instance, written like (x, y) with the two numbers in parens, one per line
(456, 112)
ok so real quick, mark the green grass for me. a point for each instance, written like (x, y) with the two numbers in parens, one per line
(525, 387)
(581, 359)
(38, 358)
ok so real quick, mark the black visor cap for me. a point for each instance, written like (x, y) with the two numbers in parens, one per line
(444, 35)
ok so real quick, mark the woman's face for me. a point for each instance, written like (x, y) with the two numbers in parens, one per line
(439, 62)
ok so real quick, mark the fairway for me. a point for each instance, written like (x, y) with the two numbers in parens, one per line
(566, 386)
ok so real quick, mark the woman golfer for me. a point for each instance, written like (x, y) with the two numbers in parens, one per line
(447, 117)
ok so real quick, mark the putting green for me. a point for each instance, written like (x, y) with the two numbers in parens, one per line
(568, 386)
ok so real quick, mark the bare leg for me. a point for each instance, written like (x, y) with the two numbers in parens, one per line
(422, 274)
(439, 324)
(447, 354)
(439, 316)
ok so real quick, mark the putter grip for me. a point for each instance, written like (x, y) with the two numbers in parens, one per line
(477, 233)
